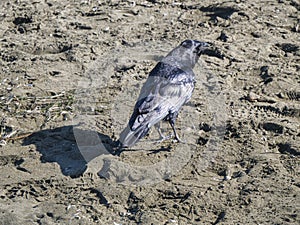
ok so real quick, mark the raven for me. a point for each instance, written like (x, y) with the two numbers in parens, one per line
(169, 85)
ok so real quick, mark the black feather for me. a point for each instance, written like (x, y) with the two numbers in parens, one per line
(170, 85)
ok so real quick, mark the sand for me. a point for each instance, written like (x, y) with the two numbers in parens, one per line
(70, 74)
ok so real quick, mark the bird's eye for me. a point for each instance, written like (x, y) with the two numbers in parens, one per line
(187, 44)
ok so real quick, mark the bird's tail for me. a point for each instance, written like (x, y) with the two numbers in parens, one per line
(129, 137)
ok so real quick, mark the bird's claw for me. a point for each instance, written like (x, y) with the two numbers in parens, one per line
(178, 140)
(163, 138)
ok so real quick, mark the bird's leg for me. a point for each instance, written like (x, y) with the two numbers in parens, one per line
(172, 120)
(172, 123)
(162, 137)
(157, 126)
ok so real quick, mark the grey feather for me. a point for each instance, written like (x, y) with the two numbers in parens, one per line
(169, 86)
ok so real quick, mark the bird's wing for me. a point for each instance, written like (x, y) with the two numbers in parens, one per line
(166, 90)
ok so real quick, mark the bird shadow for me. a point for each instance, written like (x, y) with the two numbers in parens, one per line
(159, 150)
(63, 145)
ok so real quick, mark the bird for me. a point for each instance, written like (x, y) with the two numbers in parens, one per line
(168, 87)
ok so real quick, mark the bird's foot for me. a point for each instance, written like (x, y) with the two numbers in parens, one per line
(163, 138)
(178, 140)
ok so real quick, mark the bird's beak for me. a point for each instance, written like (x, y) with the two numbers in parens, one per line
(202, 46)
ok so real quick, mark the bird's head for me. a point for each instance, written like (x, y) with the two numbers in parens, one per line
(187, 53)
(196, 47)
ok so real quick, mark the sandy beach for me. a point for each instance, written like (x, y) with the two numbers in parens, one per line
(70, 74)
